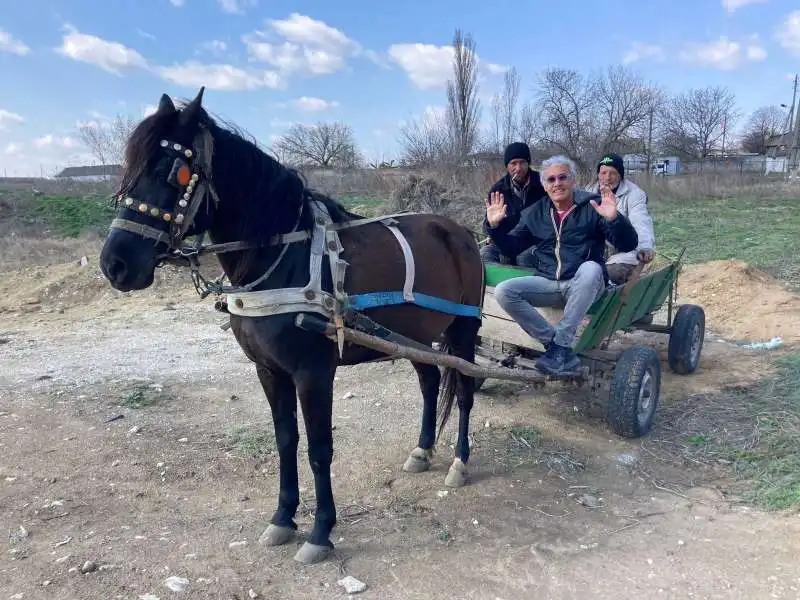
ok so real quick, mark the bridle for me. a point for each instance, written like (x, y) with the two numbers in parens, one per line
(191, 174)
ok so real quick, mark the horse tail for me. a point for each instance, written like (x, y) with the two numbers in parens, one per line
(447, 394)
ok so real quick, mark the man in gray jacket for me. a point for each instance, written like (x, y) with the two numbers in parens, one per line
(631, 202)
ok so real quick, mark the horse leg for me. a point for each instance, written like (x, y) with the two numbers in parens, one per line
(420, 458)
(315, 389)
(462, 335)
(280, 391)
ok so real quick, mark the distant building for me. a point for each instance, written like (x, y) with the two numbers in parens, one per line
(665, 165)
(90, 173)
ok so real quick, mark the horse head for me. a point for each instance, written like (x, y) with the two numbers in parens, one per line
(165, 193)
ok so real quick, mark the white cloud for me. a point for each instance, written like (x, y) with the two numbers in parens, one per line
(110, 56)
(733, 5)
(292, 58)
(149, 110)
(177, 3)
(309, 104)
(306, 46)
(51, 141)
(6, 116)
(427, 65)
(236, 7)
(640, 51)
(215, 47)
(9, 43)
(496, 69)
(430, 66)
(144, 34)
(276, 123)
(756, 53)
(13, 149)
(788, 34)
(723, 54)
(302, 29)
(220, 77)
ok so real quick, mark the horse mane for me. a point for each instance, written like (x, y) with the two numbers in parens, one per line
(263, 195)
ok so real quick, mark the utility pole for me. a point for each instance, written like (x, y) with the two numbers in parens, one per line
(650, 144)
(789, 128)
(794, 149)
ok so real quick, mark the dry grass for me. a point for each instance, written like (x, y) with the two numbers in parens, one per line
(718, 186)
(755, 432)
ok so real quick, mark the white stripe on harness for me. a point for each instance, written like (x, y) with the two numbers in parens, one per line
(311, 297)
(408, 257)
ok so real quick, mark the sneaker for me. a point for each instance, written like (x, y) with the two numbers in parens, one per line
(549, 360)
(558, 360)
(571, 361)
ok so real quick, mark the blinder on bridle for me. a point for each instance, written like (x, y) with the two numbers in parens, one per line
(190, 176)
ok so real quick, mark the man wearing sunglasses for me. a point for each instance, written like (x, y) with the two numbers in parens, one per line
(521, 187)
(631, 202)
(569, 230)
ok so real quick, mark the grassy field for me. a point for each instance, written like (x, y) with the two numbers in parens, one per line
(69, 216)
(754, 433)
(763, 233)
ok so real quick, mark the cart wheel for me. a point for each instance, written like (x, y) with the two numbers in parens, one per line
(635, 386)
(686, 339)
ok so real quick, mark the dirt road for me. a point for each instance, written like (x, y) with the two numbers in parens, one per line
(130, 437)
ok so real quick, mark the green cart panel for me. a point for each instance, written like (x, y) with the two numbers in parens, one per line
(646, 295)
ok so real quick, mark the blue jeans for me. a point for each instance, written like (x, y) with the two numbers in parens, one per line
(491, 253)
(519, 297)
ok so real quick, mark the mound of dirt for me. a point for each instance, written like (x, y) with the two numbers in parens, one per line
(66, 285)
(741, 302)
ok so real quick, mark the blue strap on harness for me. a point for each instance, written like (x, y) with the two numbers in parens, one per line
(378, 299)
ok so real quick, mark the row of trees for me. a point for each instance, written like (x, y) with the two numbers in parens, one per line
(581, 115)
(585, 115)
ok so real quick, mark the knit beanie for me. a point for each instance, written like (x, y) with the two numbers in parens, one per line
(517, 150)
(613, 160)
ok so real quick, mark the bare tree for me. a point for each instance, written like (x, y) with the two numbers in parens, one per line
(495, 138)
(322, 145)
(565, 113)
(528, 128)
(425, 141)
(621, 106)
(463, 106)
(764, 123)
(508, 106)
(697, 122)
(106, 140)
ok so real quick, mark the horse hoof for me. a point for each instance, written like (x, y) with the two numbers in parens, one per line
(457, 475)
(311, 553)
(275, 535)
(418, 461)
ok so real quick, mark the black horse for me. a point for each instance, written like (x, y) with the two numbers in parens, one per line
(187, 175)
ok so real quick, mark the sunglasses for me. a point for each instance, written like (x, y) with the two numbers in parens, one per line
(560, 178)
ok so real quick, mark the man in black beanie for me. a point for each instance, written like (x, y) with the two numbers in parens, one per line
(521, 187)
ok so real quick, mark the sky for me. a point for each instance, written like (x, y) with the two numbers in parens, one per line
(269, 63)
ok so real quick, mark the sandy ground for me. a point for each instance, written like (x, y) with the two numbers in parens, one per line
(162, 490)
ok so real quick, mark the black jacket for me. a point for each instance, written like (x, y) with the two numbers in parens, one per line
(533, 194)
(561, 250)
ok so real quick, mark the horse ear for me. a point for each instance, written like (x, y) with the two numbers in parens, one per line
(165, 105)
(189, 113)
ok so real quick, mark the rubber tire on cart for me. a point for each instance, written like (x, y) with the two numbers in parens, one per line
(635, 387)
(686, 339)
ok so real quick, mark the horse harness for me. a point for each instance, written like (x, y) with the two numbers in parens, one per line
(193, 181)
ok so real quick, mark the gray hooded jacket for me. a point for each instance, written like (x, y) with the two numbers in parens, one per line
(631, 202)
